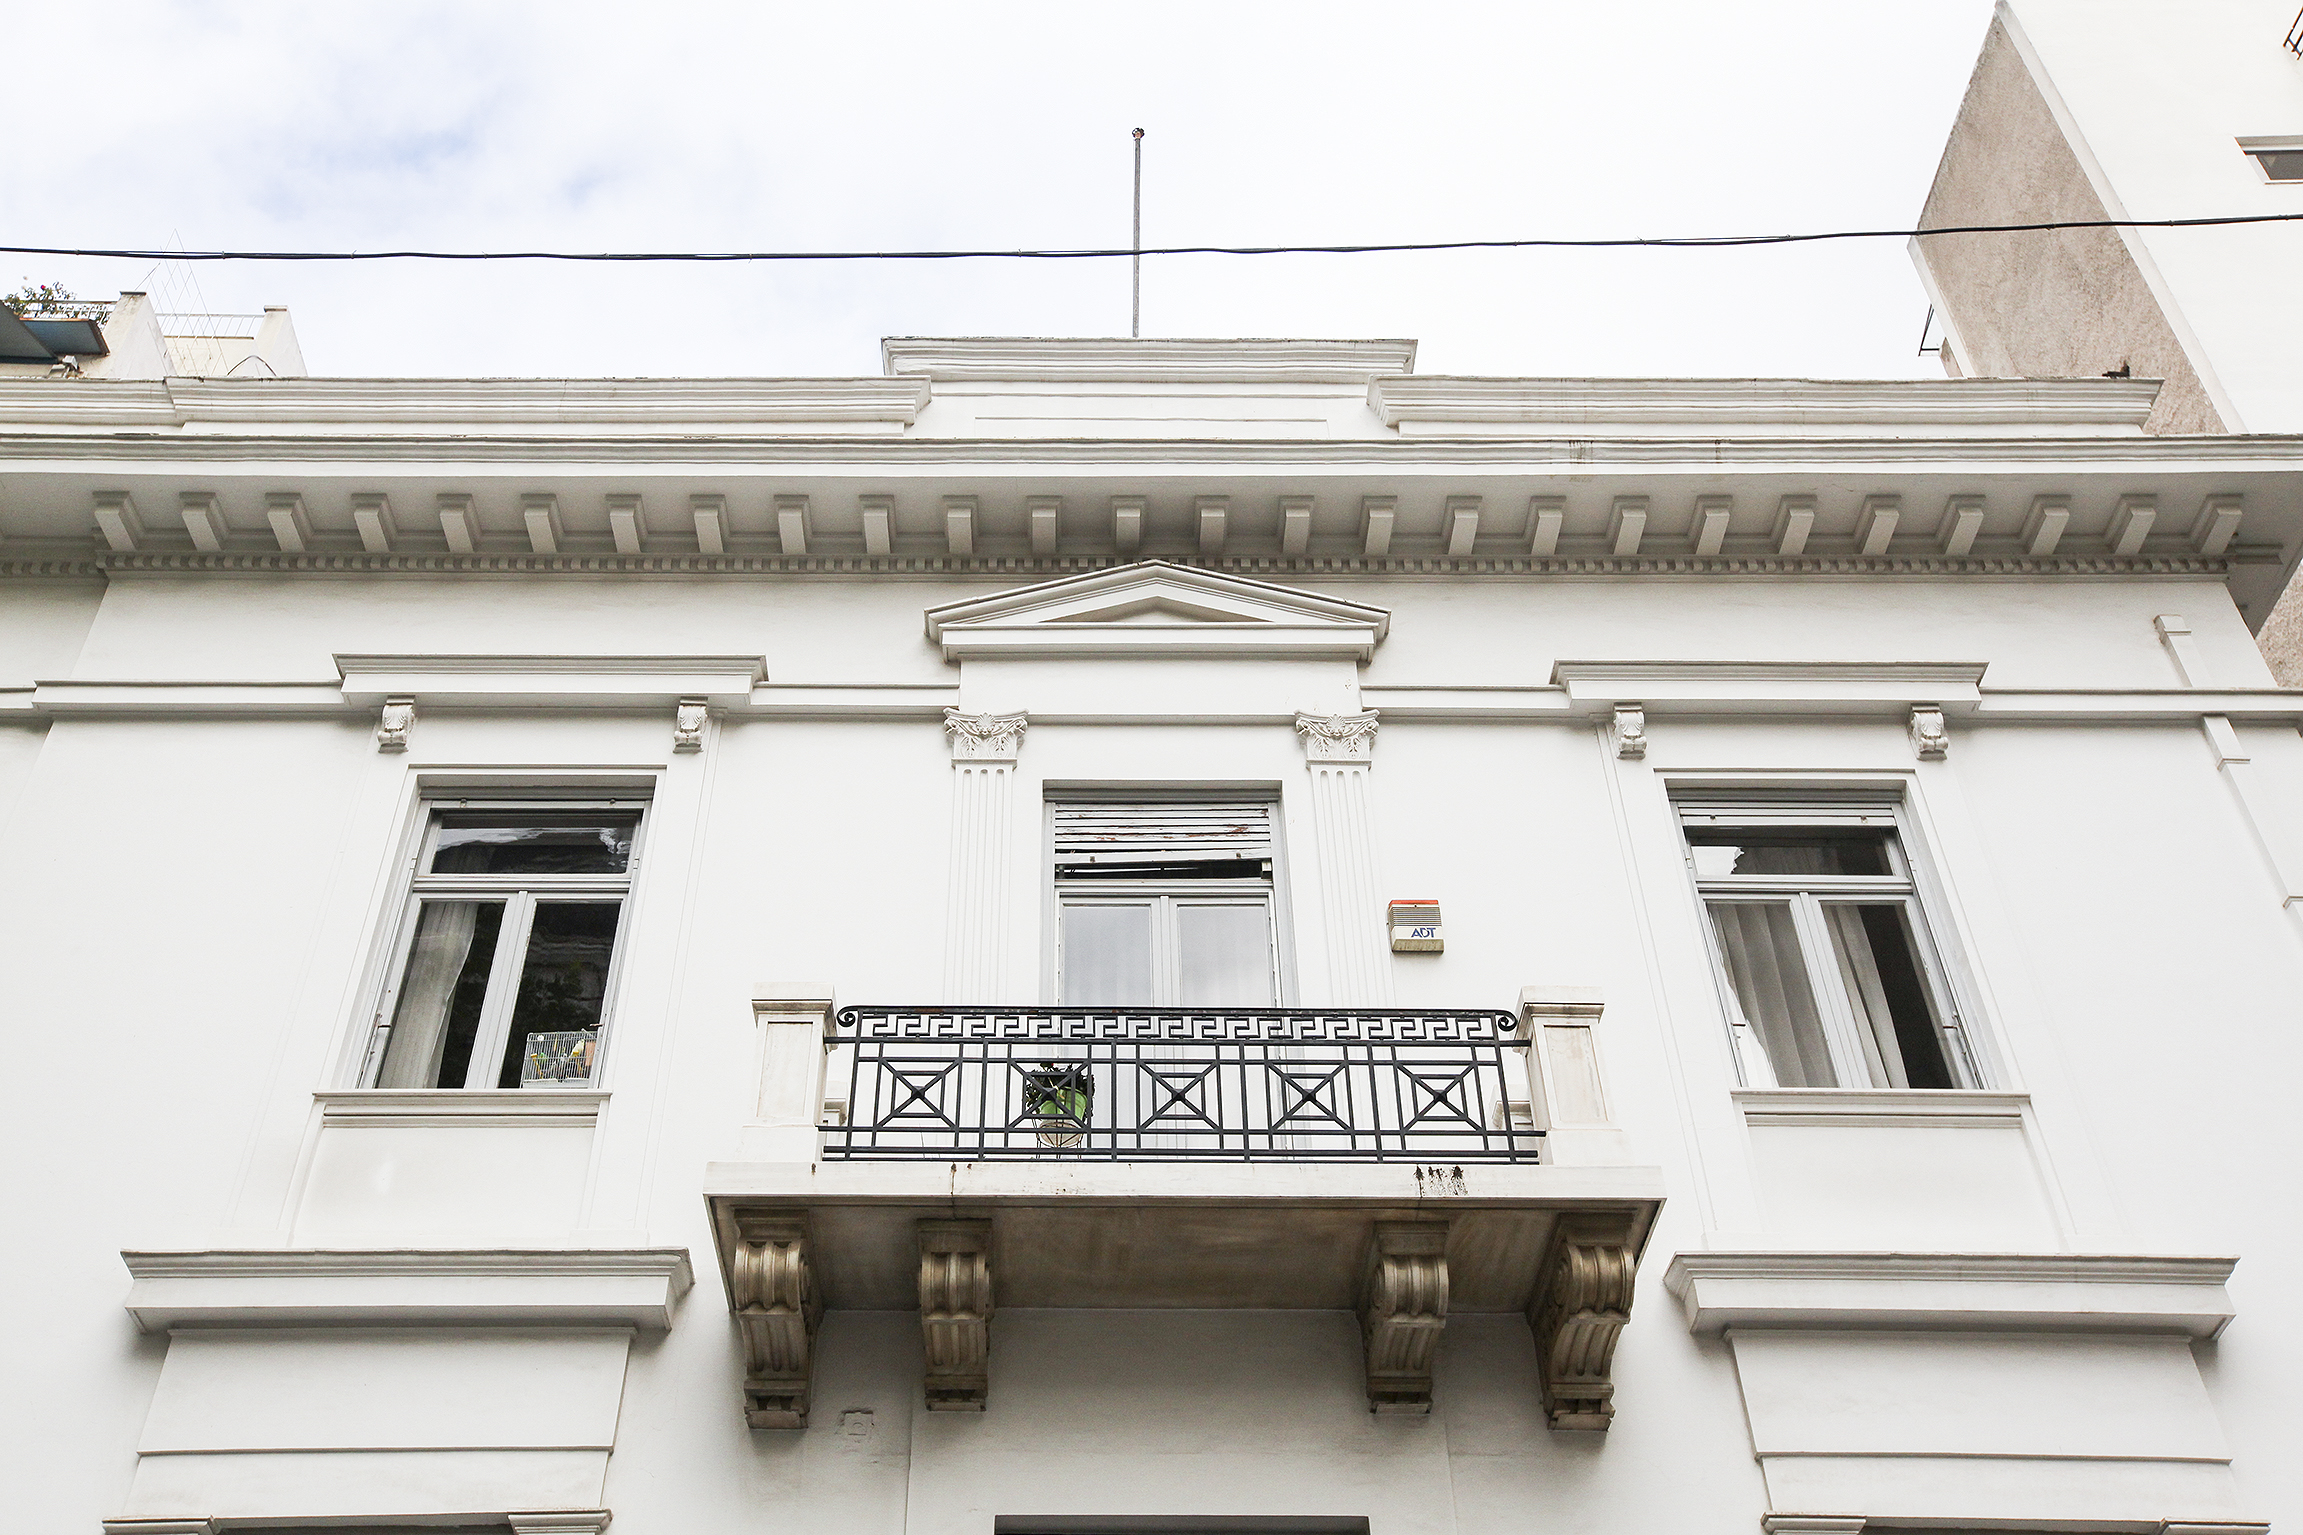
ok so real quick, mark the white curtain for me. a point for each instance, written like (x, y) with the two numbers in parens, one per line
(1874, 1023)
(427, 993)
(1760, 944)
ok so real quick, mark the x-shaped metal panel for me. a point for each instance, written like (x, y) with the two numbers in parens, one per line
(914, 1087)
(1440, 1097)
(1309, 1097)
(1178, 1095)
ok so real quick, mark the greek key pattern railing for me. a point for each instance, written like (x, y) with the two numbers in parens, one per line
(1161, 1084)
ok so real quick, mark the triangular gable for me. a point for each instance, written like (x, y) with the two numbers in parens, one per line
(1153, 608)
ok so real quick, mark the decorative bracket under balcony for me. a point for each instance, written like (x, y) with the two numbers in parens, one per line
(1403, 1306)
(956, 1312)
(1404, 1245)
(1582, 1301)
(772, 1287)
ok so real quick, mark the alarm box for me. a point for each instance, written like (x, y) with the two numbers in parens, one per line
(1415, 928)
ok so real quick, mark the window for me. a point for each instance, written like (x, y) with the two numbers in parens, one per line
(1164, 905)
(2280, 159)
(505, 948)
(1822, 951)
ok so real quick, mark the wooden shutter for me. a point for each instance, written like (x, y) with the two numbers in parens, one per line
(1139, 839)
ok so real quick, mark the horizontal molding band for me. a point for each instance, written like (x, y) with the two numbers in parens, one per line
(352, 562)
(1399, 705)
(1164, 457)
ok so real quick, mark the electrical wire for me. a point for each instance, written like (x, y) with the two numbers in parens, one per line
(1687, 242)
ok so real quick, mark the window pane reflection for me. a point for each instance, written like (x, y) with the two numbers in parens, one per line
(1760, 944)
(1224, 952)
(1719, 854)
(478, 842)
(564, 980)
(1107, 954)
(1879, 963)
(442, 992)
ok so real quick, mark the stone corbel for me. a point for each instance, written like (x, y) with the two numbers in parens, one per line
(688, 724)
(1929, 737)
(774, 1295)
(1338, 737)
(1402, 1308)
(985, 737)
(956, 1312)
(1582, 1299)
(1630, 731)
(393, 725)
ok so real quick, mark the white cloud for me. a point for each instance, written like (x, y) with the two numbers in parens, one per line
(910, 125)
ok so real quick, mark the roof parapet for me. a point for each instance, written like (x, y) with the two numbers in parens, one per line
(1058, 360)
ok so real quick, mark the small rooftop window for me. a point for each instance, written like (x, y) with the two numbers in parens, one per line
(2280, 159)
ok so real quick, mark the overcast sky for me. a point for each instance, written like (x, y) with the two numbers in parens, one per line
(566, 125)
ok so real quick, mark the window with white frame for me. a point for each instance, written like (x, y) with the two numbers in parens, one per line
(506, 946)
(2278, 159)
(1164, 904)
(1822, 949)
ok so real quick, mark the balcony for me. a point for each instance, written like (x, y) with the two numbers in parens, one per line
(1236, 1085)
(1401, 1164)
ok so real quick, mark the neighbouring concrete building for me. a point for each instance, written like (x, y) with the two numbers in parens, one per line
(2097, 110)
(1149, 936)
(131, 339)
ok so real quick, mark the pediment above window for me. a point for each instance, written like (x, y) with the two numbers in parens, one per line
(1153, 608)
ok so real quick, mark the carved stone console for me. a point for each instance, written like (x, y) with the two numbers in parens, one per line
(774, 1295)
(1403, 1306)
(1583, 1298)
(956, 1312)
(1403, 1245)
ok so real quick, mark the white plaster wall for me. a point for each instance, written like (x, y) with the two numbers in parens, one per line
(190, 931)
(2035, 633)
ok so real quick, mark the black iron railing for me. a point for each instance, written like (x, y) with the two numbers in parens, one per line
(1157, 1084)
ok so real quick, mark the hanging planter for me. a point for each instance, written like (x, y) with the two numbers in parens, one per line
(1060, 1098)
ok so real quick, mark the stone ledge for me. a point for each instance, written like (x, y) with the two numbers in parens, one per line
(633, 1287)
(1977, 1292)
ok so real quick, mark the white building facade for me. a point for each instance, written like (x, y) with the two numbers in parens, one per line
(1147, 936)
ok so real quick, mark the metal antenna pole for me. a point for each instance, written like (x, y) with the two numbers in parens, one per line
(1136, 305)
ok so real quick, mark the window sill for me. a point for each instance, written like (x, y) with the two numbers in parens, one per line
(388, 1108)
(1908, 1107)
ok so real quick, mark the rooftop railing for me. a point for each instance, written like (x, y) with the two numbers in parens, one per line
(1179, 1084)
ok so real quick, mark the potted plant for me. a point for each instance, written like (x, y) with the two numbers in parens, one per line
(1060, 1097)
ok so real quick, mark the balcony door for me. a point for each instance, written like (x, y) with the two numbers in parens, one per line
(1164, 905)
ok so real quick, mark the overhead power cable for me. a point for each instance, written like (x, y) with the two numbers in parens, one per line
(1670, 242)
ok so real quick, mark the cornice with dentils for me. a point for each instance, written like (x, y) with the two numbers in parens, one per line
(66, 452)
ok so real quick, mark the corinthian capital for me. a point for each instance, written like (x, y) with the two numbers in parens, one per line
(1338, 737)
(985, 737)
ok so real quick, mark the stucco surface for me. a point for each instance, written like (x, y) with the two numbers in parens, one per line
(2065, 303)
